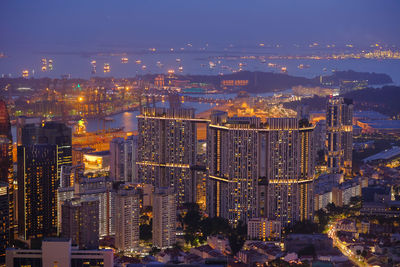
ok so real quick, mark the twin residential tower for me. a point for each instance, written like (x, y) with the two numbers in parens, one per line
(254, 169)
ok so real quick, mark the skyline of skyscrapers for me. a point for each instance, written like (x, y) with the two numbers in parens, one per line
(248, 169)
(218, 133)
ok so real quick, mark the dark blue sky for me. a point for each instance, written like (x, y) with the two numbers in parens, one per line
(77, 24)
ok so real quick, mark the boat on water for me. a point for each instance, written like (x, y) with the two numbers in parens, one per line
(272, 65)
(93, 63)
(109, 130)
(106, 68)
(109, 119)
(25, 73)
(138, 61)
(50, 64)
(284, 70)
(98, 132)
(302, 66)
(124, 60)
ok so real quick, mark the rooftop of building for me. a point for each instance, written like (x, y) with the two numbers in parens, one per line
(370, 115)
(368, 193)
(56, 239)
(383, 124)
(172, 265)
(306, 237)
(386, 154)
(99, 153)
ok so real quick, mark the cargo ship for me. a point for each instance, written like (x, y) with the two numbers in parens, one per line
(25, 73)
(106, 68)
(50, 64)
(93, 63)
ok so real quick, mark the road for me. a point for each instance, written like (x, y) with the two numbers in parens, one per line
(359, 261)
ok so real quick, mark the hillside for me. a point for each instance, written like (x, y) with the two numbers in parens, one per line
(384, 100)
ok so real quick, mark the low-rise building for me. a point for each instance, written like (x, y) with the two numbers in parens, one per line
(206, 252)
(97, 161)
(59, 252)
(296, 242)
(388, 209)
(330, 189)
(251, 257)
(263, 229)
(346, 226)
(272, 251)
(220, 243)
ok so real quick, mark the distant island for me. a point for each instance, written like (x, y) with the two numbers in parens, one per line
(350, 75)
(262, 82)
(256, 82)
(384, 100)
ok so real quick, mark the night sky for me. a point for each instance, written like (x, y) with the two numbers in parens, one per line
(78, 24)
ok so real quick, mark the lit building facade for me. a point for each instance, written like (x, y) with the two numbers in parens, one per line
(167, 149)
(159, 81)
(260, 169)
(37, 190)
(339, 135)
(59, 252)
(233, 148)
(123, 156)
(98, 161)
(6, 170)
(4, 219)
(80, 222)
(101, 188)
(44, 150)
(127, 209)
(290, 154)
(87, 189)
(53, 133)
(164, 218)
(263, 229)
